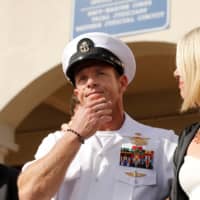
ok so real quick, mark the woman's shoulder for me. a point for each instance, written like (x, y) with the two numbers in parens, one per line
(188, 130)
(184, 139)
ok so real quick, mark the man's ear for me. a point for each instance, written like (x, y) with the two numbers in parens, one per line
(123, 82)
(76, 92)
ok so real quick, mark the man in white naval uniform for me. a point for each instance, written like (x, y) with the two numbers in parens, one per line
(103, 153)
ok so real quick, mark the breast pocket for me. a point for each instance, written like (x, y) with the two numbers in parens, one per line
(130, 181)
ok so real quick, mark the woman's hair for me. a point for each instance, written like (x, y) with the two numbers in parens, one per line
(188, 64)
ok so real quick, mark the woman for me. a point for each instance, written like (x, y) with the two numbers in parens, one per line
(186, 185)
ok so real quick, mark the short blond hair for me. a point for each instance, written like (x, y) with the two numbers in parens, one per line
(188, 63)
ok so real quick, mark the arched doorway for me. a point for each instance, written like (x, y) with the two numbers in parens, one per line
(151, 98)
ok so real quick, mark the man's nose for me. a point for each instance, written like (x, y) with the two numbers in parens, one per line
(91, 82)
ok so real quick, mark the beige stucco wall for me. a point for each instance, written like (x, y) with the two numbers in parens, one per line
(33, 35)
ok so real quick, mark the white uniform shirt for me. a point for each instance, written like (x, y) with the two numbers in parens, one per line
(96, 173)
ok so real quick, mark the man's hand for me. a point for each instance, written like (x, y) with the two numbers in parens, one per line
(90, 116)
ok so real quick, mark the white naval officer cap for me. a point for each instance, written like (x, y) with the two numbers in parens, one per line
(97, 46)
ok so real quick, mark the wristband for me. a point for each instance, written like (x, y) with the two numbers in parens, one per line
(81, 139)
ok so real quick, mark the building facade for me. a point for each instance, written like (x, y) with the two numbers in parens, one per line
(35, 96)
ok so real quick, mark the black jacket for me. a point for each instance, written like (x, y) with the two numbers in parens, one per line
(184, 140)
(8, 183)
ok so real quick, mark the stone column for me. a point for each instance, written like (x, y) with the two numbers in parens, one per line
(7, 140)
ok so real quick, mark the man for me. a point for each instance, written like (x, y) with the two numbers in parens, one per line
(103, 153)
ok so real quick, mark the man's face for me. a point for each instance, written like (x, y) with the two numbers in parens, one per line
(100, 80)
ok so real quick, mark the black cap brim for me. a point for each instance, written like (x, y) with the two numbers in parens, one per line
(80, 60)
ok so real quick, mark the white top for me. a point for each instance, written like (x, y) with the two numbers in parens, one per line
(96, 173)
(189, 177)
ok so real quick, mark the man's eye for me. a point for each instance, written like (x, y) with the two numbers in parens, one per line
(82, 78)
(101, 73)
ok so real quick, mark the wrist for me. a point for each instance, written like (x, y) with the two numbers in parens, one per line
(80, 137)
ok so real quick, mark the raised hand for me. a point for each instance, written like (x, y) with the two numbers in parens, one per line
(95, 112)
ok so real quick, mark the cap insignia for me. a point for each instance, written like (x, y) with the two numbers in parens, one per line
(85, 45)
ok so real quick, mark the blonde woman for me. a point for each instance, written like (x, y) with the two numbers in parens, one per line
(186, 185)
